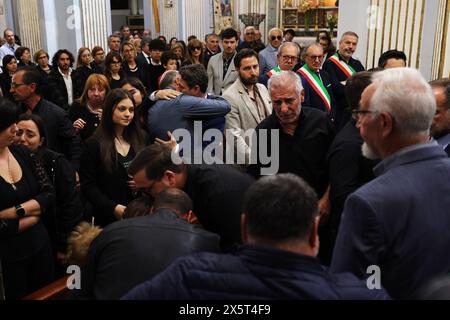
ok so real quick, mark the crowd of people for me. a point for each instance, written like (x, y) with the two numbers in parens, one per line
(319, 169)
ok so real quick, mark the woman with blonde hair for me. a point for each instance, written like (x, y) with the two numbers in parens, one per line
(41, 58)
(85, 67)
(86, 113)
(179, 50)
(131, 66)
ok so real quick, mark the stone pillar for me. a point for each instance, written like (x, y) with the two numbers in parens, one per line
(28, 15)
(134, 7)
(96, 23)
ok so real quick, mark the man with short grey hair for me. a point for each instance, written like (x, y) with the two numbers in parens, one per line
(287, 58)
(398, 223)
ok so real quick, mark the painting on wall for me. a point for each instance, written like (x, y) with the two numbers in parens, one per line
(223, 15)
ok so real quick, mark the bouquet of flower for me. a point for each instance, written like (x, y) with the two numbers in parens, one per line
(304, 6)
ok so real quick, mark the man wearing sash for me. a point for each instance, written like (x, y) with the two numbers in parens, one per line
(316, 83)
(288, 54)
(340, 67)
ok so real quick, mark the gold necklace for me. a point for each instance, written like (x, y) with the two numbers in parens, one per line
(12, 183)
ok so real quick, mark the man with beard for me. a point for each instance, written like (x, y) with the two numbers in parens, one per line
(250, 103)
(340, 67)
(440, 128)
(399, 221)
(62, 86)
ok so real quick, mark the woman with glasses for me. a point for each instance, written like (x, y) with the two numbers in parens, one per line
(132, 67)
(194, 53)
(113, 69)
(108, 154)
(86, 112)
(26, 196)
(9, 68)
(41, 58)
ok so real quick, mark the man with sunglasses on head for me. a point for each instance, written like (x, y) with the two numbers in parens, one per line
(268, 56)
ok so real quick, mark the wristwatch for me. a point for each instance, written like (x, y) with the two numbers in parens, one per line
(20, 211)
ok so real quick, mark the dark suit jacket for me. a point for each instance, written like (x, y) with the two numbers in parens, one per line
(141, 59)
(312, 99)
(57, 91)
(336, 77)
(399, 222)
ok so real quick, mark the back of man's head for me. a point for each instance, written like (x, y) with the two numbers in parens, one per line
(168, 80)
(355, 86)
(175, 200)
(391, 54)
(280, 208)
(407, 97)
(155, 160)
(195, 75)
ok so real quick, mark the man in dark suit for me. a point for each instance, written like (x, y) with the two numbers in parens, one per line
(316, 82)
(340, 67)
(440, 128)
(193, 105)
(144, 56)
(398, 223)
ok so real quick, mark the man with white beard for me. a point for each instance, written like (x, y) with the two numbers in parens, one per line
(395, 228)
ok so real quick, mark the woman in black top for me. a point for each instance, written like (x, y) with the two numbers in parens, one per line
(107, 156)
(68, 211)
(26, 195)
(23, 57)
(113, 69)
(9, 68)
(85, 67)
(86, 113)
(132, 67)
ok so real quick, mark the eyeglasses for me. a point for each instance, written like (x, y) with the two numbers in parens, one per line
(196, 48)
(42, 57)
(17, 85)
(356, 114)
(314, 58)
(273, 38)
(250, 33)
(287, 58)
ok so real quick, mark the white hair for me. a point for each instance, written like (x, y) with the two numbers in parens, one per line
(404, 93)
(283, 79)
(275, 29)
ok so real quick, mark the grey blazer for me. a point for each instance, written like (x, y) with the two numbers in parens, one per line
(243, 116)
(216, 82)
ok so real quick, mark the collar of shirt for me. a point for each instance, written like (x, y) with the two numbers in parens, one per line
(399, 157)
(68, 76)
(153, 63)
(271, 48)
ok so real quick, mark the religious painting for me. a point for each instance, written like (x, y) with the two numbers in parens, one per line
(223, 14)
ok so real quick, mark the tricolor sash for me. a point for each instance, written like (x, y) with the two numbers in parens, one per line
(317, 84)
(345, 67)
(273, 71)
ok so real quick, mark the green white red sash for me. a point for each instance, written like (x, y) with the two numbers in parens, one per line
(273, 71)
(317, 84)
(345, 67)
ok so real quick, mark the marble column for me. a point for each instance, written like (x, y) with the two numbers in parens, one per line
(96, 23)
(28, 16)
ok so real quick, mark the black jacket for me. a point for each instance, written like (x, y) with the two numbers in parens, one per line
(57, 91)
(67, 212)
(132, 251)
(103, 189)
